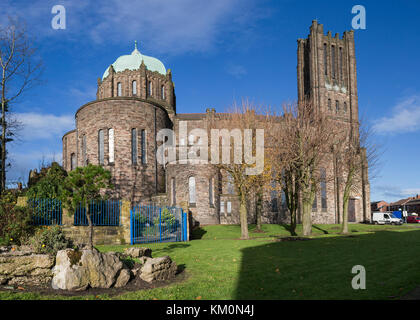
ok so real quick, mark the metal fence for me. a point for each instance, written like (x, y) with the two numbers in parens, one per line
(102, 213)
(46, 212)
(157, 224)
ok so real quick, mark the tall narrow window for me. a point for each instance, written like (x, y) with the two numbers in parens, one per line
(229, 208)
(323, 189)
(101, 146)
(119, 89)
(230, 186)
(162, 92)
(72, 161)
(341, 63)
(329, 105)
(143, 147)
(191, 188)
(134, 146)
(345, 107)
(333, 61)
(173, 191)
(273, 197)
(314, 204)
(111, 145)
(150, 89)
(84, 158)
(337, 106)
(211, 196)
(222, 207)
(134, 87)
(325, 59)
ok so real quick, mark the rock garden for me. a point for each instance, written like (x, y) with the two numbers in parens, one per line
(82, 269)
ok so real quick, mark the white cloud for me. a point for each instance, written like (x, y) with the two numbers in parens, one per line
(165, 26)
(37, 126)
(405, 118)
(237, 71)
(393, 193)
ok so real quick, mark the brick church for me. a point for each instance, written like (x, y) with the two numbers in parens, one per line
(136, 99)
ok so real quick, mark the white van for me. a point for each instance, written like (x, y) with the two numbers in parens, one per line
(385, 218)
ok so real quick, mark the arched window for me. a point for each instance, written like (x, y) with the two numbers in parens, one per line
(230, 186)
(134, 87)
(150, 88)
(325, 59)
(333, 61)
(341, 63)
(162, 92)
(274, 197)
(191, 188)
(134, 146)
(143, 147)
(323, 189)
(72, 161)
(119, 89)
(337, 106)
(329, 105)
(101, 146)
(211, 194)
(345, 107)
(111, 145)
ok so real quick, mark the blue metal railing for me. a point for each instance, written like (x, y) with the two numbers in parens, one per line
(157, 224)
(46, 212)
(102, 213)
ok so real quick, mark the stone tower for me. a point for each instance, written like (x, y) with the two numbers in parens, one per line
(326, 74)
(327, 78)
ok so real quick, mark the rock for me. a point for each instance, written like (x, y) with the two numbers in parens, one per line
(143, 260)
(22, 268)
(123, 278)
(76, 270)
(68, 274)
(162, 268)
(138, 252)
(102, 267)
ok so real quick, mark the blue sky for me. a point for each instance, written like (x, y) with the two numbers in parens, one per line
(220, 51)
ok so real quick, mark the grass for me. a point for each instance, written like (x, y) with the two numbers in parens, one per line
(220, 266)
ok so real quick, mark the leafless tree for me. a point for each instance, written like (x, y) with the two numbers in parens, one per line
(240, 118)
(20, 71)
(355, 154)
(300, 144)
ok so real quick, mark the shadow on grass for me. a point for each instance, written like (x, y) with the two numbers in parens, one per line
(172, 247)
(197, 233)
(321, 268)
(318, 228)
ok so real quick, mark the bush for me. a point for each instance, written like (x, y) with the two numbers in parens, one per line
(15, 222)
(166, 217)
(49, 239)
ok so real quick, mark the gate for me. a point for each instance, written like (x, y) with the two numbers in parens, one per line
(157, 224)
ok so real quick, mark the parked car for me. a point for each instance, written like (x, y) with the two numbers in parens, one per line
(385, 218)
(413, 219)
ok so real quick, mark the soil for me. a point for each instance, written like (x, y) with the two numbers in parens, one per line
(135, 284)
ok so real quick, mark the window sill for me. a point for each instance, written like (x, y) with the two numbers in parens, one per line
(192, 205)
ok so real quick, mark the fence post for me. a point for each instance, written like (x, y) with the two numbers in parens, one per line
(125, 220)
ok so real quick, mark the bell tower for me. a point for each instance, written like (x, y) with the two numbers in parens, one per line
(326, 73)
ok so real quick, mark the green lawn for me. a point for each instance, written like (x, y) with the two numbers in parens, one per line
(219, 266)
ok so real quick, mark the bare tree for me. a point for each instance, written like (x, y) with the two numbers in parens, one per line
(355, 154)
(238, 120)
(20, 71)
(301, 143)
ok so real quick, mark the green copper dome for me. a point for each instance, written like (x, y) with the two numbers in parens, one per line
(133, 61)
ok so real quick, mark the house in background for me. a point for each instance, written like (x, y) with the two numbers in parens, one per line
(411, 205)
(379, 206)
